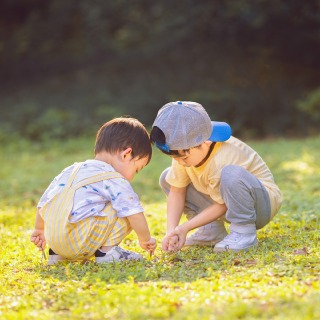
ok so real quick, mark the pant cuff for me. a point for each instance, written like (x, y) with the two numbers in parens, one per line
(243, 228)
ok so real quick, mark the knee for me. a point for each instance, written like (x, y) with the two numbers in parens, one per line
(231, 176)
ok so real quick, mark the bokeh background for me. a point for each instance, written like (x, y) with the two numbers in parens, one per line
(69, 66)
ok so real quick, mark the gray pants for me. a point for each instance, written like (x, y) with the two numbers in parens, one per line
(246, 198)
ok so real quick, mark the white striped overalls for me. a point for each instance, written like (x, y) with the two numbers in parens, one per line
(79, 240)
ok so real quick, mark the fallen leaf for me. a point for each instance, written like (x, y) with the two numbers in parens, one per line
(303, 251)
(176, 259)
(236, 262)
(251, 261)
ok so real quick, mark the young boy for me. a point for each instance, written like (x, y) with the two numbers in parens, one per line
(214, 178)
(90, 207)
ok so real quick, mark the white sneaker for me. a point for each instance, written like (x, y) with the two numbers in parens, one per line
(116, 254)
(207, 235)
(54, 258)
(236, 241)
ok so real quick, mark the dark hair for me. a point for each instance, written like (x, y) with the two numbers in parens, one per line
(157, 137)
(122, 133)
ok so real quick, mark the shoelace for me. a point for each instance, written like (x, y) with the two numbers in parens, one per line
(121, 250)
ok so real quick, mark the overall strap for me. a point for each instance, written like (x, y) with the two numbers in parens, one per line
(73, 175)
(65, 196)
(66, 186)
(52, 209)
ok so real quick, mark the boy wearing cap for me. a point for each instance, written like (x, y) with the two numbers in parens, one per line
(214, 178)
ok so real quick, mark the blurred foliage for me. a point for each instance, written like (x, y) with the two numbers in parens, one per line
(311, 104)
(68, 66)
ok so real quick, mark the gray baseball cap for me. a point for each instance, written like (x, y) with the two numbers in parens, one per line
(186, 124)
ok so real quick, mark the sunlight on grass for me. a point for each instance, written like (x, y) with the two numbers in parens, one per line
(304, 165)
(277, 280)
(298, 166)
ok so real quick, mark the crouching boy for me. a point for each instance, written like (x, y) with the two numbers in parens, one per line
(90, 207)
(214, 178)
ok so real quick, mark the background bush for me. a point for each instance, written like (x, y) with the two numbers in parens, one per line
(68, 66)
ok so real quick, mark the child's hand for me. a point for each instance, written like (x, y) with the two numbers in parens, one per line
(149, 245)
(180, 234)
(37, 237)
(165, 243)
(170, 242)
(173, 243)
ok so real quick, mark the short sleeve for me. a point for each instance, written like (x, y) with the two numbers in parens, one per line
(177, 175)
(122, 197)
(50, 192)
(55, 187)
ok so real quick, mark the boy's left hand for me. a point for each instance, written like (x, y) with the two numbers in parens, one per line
(38, 238)
(149, 245)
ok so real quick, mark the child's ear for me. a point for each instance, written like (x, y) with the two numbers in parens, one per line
(127, 153)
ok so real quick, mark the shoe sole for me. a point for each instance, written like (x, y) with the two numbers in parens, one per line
(115, 260)
(200, 243)
(191, 242)
(103, 261)
(54, 260)
(233, 250)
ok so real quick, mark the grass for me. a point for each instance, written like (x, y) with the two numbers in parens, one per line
(277, 280)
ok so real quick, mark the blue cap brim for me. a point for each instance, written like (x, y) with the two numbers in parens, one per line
(221, 131)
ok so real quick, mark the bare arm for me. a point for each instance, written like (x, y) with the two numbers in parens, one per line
(175, 205)
(139, 224)
(37, 236)
(39, 223)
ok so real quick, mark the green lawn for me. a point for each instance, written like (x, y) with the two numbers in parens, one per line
(277, 280)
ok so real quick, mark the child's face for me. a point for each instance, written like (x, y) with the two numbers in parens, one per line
(192, 157)
(130, 166)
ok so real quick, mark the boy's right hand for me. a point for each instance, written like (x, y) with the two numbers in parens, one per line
(38, 238)
(149, 245)
(170, 243)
